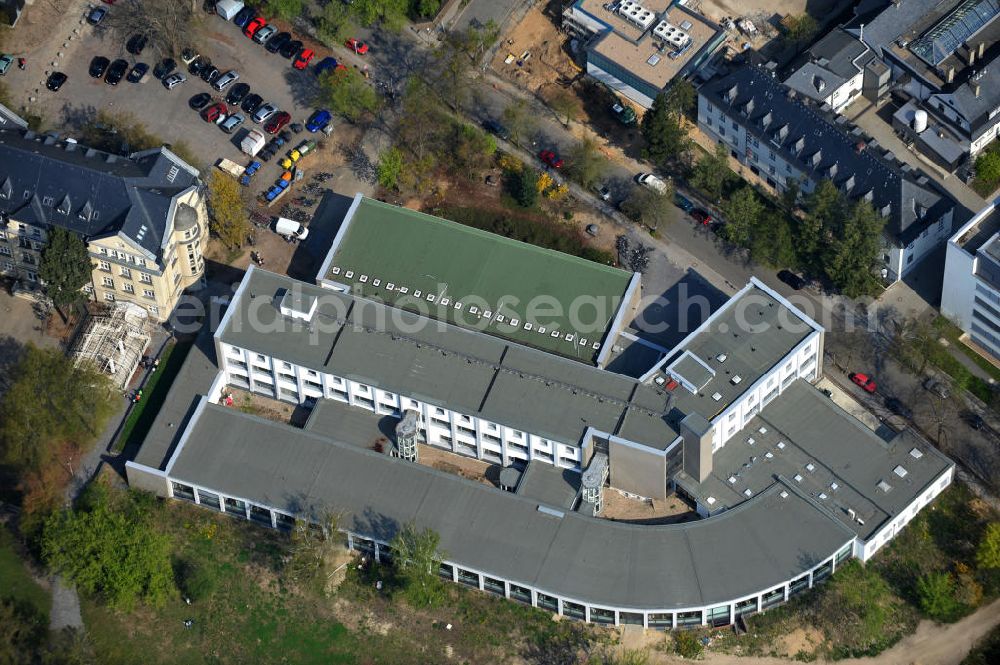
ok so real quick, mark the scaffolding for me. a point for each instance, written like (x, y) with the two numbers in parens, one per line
(407, 431)
(114, 342)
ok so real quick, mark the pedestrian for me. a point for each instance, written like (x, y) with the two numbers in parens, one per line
(156, 364)
(21, 63)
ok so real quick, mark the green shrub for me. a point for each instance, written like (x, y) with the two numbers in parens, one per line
(936, 594)
(687, 644)
(196, 579)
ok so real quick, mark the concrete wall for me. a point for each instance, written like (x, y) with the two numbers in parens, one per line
(638, 469)
(147, 479)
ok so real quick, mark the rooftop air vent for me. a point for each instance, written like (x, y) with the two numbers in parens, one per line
(736, 379)
(747, 493)
(717, 396)
(798, 478)
(900, 471)
(916, 454)
(721, 357)
(884, 486)
(810, 467)
(784, 494)
(781, 445)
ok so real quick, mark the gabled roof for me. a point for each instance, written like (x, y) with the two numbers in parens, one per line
(45, 181)
(825, 148)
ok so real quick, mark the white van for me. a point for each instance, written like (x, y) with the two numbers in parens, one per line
(652, 182)
(227, 9)
(289, 227)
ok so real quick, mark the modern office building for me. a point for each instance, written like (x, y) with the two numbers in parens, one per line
(480, 280)
(142, 217)
(565, 432)
(970, 294)
(782, 137)
(637, 47)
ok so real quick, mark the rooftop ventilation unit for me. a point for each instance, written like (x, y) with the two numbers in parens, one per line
(297, 305)
(900, 471)
(884, 486)
(916, 454)
(784, 494)
(736, 379)
(721, 357)
(717, 396)
(810, 467)
(671, 34)
(635, 13)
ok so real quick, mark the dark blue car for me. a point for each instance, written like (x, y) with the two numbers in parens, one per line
(244, 16)
(318, 120)
(326, 64)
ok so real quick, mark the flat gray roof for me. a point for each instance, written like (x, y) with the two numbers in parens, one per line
(741, 552)
(441, 364)
(803, 428)
(550, 485)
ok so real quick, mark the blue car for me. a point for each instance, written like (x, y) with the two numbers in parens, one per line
(326, 64)
(318, 120)
(244, 16)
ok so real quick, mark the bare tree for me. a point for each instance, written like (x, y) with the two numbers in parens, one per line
(166, 23)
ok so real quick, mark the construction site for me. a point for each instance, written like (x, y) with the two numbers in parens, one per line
(113, 342)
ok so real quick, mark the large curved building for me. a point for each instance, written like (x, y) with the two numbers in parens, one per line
(787, 483)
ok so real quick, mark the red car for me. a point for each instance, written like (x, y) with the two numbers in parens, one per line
(277, 122)
(357, 46)
(217, 112)
(302, 61)
(866, 382)
(551, 159)
(253, 26)
(701, 217)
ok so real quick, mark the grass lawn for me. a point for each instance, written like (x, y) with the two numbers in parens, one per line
(17, 584)
(951, 332)
(141, 417)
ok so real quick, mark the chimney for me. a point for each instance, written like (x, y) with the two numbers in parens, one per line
(982, 49)
(697, 435)
(951, 75)
(972, 56)
(975, 89)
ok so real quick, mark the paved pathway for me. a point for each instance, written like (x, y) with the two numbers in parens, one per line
(65, 606)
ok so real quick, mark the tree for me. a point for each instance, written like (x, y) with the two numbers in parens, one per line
(471, 150)
(314, 547)
(800, 28)
(666, 140)
(335, 24)
(856, 253)
(564, 104)
(226, 209)
(524, 187)
(648, 207)
(586, 163)
(24, 632)
(390, 13)
(988, 166)
(65, 268)
(286, 9)
(50, 402)
(681, 98)
(712, 174)
(347, 93)
(518, 120)
(936, 595)
(112, 548)
(416, 557)
(167, 23)
(772, 240)
(743, 211)
(390, 166)
(427, 8)
(988, 552)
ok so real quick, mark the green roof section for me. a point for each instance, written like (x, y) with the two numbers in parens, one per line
(530, 295)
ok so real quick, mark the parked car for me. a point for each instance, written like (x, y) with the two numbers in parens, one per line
(624, 114)
(200, 101)
(275, 43)
(974, 420)
(327, 64)
(495, 128)
(55, 81)
(290, 49)
(603, 191)
(96, 15)
(264, 33)
(188, 55)
(277, 122)
(683, 202)
(215, 112)
(253, 25)
(303, 59)
(6, 60)
(592, 230)
(164, 67)
(357, 46)
(210, 75)
(116, 72)
(198, 65)
(897, 407)
(653, 182)
(174, 80)
(550, 158)
(701, 216)
(226, 80)
(866, 382)
(252, 102)
(937, 387)
(238, 93)
(264, 112)
(230, 124)
(98, 66)
(318, 120)
(139, 71)
(136, 43)
(244, 16)
(791, 279)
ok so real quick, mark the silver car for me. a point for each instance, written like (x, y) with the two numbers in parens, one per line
(266, 110)
(174, 80)
(226, 80)
(263, 34)
(230, 124)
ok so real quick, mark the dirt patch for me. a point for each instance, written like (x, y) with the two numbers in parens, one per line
(800, 640)
(671, 510)
(534, 52)
(457, 465)
(271, 409)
